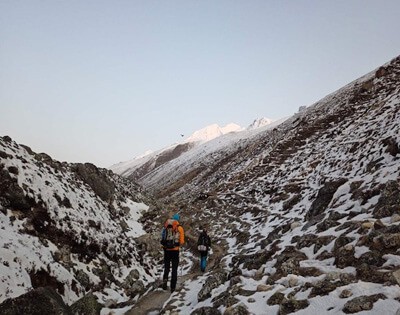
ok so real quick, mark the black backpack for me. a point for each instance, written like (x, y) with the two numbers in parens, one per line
(203, 243)
(170, 234)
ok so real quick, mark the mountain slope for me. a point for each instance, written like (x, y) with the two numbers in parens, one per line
(309, 211)
(72, 227)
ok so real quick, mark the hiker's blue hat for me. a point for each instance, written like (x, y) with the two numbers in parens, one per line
(176, 217)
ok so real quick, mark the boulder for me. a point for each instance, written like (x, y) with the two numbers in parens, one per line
(276, 299)
(131, 279)
(389, 200)
(386, 241)
(264, 287)
(135, 288)
(395, 217)
(362, 303)
(345, 294)
(211, 283)
(292, 305)
(43, 300)
(396, 275)
(323, 287)
(324, 197)
(226, 299)
(236, 310)
(87, 305)
(206, 310)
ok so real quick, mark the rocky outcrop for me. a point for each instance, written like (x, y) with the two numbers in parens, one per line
(88, 305)
(42, 300)
(96, 179)
(211, 283)
(11, 194)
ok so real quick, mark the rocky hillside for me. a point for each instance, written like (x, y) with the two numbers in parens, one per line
(73, 228)
(309, 211)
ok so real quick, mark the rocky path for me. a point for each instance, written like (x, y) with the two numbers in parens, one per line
(153, 302)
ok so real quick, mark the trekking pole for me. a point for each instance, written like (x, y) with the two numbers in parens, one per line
(181, 263)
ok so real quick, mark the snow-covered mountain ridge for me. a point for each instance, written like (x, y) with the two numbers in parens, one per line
(144, 164)
(211, 132)
(72, 227)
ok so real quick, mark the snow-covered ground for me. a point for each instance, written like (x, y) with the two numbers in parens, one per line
(66, 230)
(313, 219)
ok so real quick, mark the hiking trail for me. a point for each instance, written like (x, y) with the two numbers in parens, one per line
(153, 301)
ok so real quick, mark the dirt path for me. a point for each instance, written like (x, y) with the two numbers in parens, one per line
(152, 302)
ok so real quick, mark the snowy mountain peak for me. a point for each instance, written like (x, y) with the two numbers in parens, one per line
(211, 132)
(260, 122)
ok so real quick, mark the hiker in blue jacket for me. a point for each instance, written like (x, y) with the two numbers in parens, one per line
(203, 245)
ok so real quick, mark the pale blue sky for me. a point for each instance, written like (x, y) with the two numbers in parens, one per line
(104, 81)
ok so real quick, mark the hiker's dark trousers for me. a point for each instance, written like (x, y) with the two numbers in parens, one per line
(171, 256)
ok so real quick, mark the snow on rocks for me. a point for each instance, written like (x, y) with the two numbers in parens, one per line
(309, 210)
(68, 226)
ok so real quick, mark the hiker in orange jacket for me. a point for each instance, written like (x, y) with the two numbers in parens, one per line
(172, 239)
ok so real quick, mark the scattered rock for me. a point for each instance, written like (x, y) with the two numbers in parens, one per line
(378, 224)
(294, 225)
(367, 225)
(136, 288)
(396, 275)
(323, 287)
(226, 299)
(236, 310)
(362, 303)
(389, 200)
(206, 310)
(276, 299)
(264, 287)
(211, 283)
(292, 305)
(382, 71)
(372, 274)
(372, 258)
(293, 281)
(395, 217)
(131, 279)
(345, 294)
(83, 279)
(324, 197)
(387, 241)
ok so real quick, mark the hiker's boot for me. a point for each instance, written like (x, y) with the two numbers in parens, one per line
(164, 285)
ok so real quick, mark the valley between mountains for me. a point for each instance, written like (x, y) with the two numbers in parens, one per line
(304, 216)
